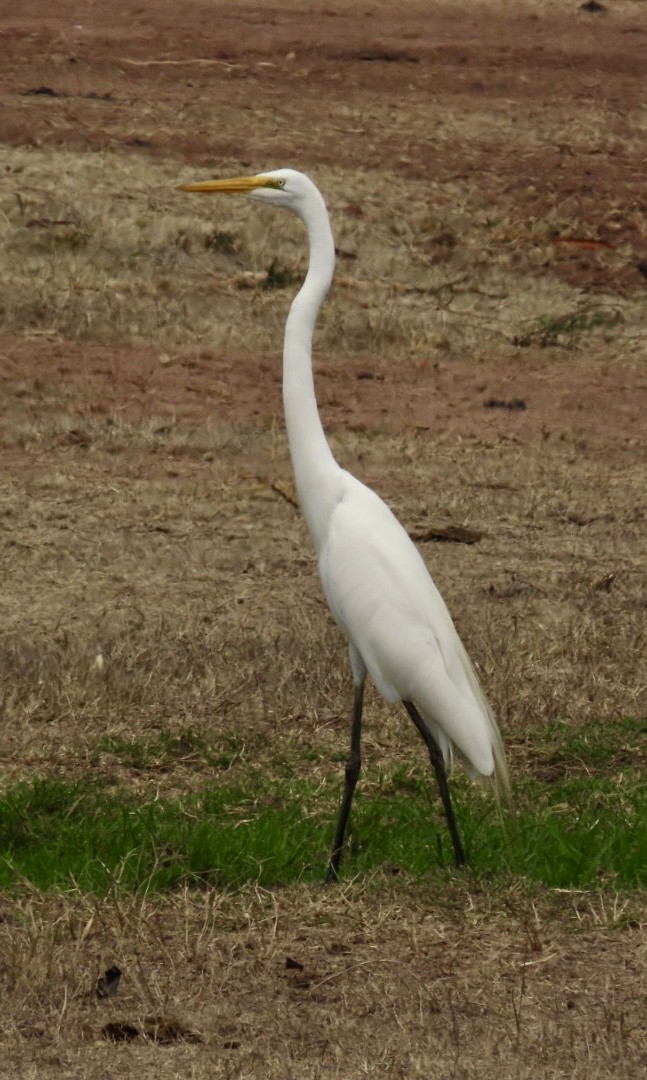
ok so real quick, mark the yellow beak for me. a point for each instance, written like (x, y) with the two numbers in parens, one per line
(242, 184)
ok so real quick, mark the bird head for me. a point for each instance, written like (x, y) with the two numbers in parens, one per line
(281, 187)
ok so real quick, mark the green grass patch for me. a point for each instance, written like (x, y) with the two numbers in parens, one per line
(565, 331)
(55, 833)
(593, 748)
(166, 749)
(575, 829)
(163, 751)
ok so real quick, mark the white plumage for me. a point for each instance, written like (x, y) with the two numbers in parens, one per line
(381, 595)
(375, 581)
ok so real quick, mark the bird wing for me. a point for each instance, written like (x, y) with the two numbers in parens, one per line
(383, 598)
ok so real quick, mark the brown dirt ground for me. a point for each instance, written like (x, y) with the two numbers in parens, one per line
(133, 484)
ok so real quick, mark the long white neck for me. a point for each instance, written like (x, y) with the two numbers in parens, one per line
(316, 472)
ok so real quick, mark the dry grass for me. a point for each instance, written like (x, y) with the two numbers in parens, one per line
(206, 621)
(101, 248)
(340, 983)
(148, 518)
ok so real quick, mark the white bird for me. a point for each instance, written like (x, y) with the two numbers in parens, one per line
(377, 586)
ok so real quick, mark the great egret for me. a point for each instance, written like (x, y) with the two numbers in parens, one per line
(377, 586)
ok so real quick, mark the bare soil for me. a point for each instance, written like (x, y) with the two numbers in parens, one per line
(481, 362)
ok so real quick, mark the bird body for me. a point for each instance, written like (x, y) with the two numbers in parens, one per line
(381, 595)
(375, 581)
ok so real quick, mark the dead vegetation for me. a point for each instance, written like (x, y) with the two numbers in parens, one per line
(486, 181)
(100, 248)
(337, 984)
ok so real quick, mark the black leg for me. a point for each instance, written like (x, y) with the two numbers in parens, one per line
(438, 763)
(353, 766)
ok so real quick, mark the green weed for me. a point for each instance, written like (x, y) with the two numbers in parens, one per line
(565, 331)
(567, 831)
(278, 277)
(166, 749)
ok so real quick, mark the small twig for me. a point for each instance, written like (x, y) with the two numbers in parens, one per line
(177, 63)
(455, 534)
(284, 495)
(542, 960)
(353, 967)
